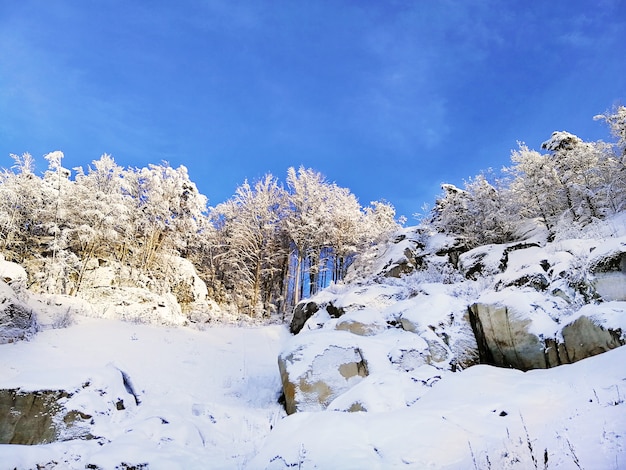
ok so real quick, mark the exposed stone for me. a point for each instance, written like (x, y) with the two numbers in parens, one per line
(555, 353)
(330, 373)
(334, 312)
(33, 417)
(610, 285)
(361, 328)
(301, 313)
(407, 265)
(536, 280)
(583, 338)
(438, 351)
(39, 417)
(481, 261)
(504, 340)
(190, 291)
(609, 276)
(17, 321)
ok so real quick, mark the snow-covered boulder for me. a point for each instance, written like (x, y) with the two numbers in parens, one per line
(402, 255)
(43, 416)
(524, 329)
(596, 329)
(11, 272)
(482, 261)
(484, 417)
(366, 322)
(443, 322)
(17, 320)
(315, 372)
(608, 266)
(190, 291)
(506, 329)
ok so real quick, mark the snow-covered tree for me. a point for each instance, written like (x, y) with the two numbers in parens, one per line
(616, 120)
(533, 185)
(100, 210)
(479, 213)
(20, 201)
(253, 251)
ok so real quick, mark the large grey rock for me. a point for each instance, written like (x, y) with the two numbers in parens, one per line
(32, 417)
(509, 338)
(39, 417)
(443, 322)
(301, 313)
(584, 338)
(310, 385)
(609, 274)
(504, 339)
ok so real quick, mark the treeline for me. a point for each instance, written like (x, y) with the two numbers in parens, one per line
(572, 182)
(261, 251)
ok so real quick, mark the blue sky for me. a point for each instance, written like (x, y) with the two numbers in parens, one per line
(387, 98)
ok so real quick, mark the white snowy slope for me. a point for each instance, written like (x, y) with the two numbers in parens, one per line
(569, 417)
(207, 398)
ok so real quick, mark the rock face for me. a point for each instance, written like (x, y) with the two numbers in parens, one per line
(190, 291)
(504, 340)
(529, 304)
(507, 338)
(312, 388)
(302, 312)
(584, 338)
(38, 417)
(32, 417)
(17, 321)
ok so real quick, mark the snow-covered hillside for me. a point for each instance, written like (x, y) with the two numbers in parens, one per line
(206, 399)
(387, 370)
(570, 417)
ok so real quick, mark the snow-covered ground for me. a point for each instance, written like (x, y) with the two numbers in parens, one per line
(207, 398)
(569, 417)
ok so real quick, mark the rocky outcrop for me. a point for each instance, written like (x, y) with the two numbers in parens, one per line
(406, 264)
(17, 321)
(190, 291)
(311, 386)
(39, 417)
(508, 336)
(584, 338)
(32, 417)
(302, 312)
(306, 309)
(504, 339)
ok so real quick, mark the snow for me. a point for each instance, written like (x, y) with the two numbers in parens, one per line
(210, 398)
(608, 315)
(207, 397)
(11, 271)
(496, 412)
